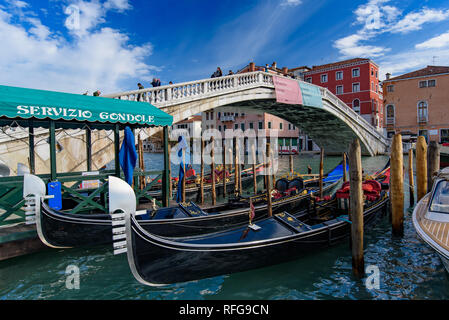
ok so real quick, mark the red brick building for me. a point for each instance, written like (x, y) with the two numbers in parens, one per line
(355, 82)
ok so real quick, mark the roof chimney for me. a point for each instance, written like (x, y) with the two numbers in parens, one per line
(252, 67)
(388, 75)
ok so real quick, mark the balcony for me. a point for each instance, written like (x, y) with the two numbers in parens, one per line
(227, 118)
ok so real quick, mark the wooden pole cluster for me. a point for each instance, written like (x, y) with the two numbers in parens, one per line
(321, 171)
(184, 176)
(410, 177)
(356, 208)
(202, 173)
(268, 177)
(397, 186)
(212, 171)
(142, 181)
(433, 163)
(253, 151)
(236, 167)
(224, 168)
(421, 167)
(290, 157)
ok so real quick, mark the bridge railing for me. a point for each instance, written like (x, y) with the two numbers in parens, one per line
(343, 107)
(185, 91)
(178, 93)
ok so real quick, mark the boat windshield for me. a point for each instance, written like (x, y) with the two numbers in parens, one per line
(440, 201)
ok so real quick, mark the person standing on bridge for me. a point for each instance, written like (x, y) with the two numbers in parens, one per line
(155, 83)
(140, 86)
(217, 73)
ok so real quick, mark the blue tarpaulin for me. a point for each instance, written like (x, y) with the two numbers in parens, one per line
(128, 155)
(336, 174)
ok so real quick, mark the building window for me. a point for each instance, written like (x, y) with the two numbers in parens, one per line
(289, 126)
(422, 112)
(390, 114)
(372, 86)
(280, 125)
(423, 84)
(356, 105)
(431, 83)
(444, 135)
(251, 125)
(224, 128)
(390, 88)
(339, 75)
(390, 134)
(207, 115)
(356, 72)
(260, 125)
(323, 78)
(236, 126)
(377, 75)
(356, 87)
(309, 80)
(269, 124)
(339, 89)
(242, 126)
(219, 128)
(372, 71)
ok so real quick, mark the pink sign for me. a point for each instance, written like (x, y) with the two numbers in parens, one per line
(287, 90)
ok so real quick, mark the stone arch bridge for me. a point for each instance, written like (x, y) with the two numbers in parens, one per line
(331, 124)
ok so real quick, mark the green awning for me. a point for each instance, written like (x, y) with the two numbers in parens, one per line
(23, 103)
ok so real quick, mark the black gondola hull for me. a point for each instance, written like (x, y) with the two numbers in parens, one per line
(155, 261)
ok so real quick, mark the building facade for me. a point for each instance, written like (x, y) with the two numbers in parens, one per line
(355, 82)
(417, 103)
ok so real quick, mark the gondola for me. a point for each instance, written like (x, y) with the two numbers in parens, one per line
(431, 217)
(60, 229)
(158, 261)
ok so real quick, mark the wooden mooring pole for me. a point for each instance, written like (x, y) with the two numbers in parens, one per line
(223, 173)
(236, 168)
(212, 171)
(356, 208)
(253, 151)
(433, 163)
(268, 177)
(421, 167)
(202, 173)
(397, 186)
(410, 178)
(290, 157)
(345, 178)
(321, 171)
(184, 176)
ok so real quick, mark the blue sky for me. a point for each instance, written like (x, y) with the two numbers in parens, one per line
(110, 45)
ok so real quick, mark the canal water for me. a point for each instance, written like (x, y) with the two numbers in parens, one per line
(409, 269)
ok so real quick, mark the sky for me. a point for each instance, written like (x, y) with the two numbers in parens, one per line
(111, 45)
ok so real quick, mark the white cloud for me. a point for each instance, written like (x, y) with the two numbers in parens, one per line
(414, 21)
(376, 18)
(96, 58)
(440, 41)
(120, 5)
(350, 47)
(291, 3)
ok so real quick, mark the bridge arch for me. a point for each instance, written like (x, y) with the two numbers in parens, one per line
(332, 125)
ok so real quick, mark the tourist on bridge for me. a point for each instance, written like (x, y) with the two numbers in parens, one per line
(97, 93)
(156, 82)
(217, 73)
(230, 73)
(140, 86)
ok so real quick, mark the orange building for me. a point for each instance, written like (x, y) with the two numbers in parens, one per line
(417, 103)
